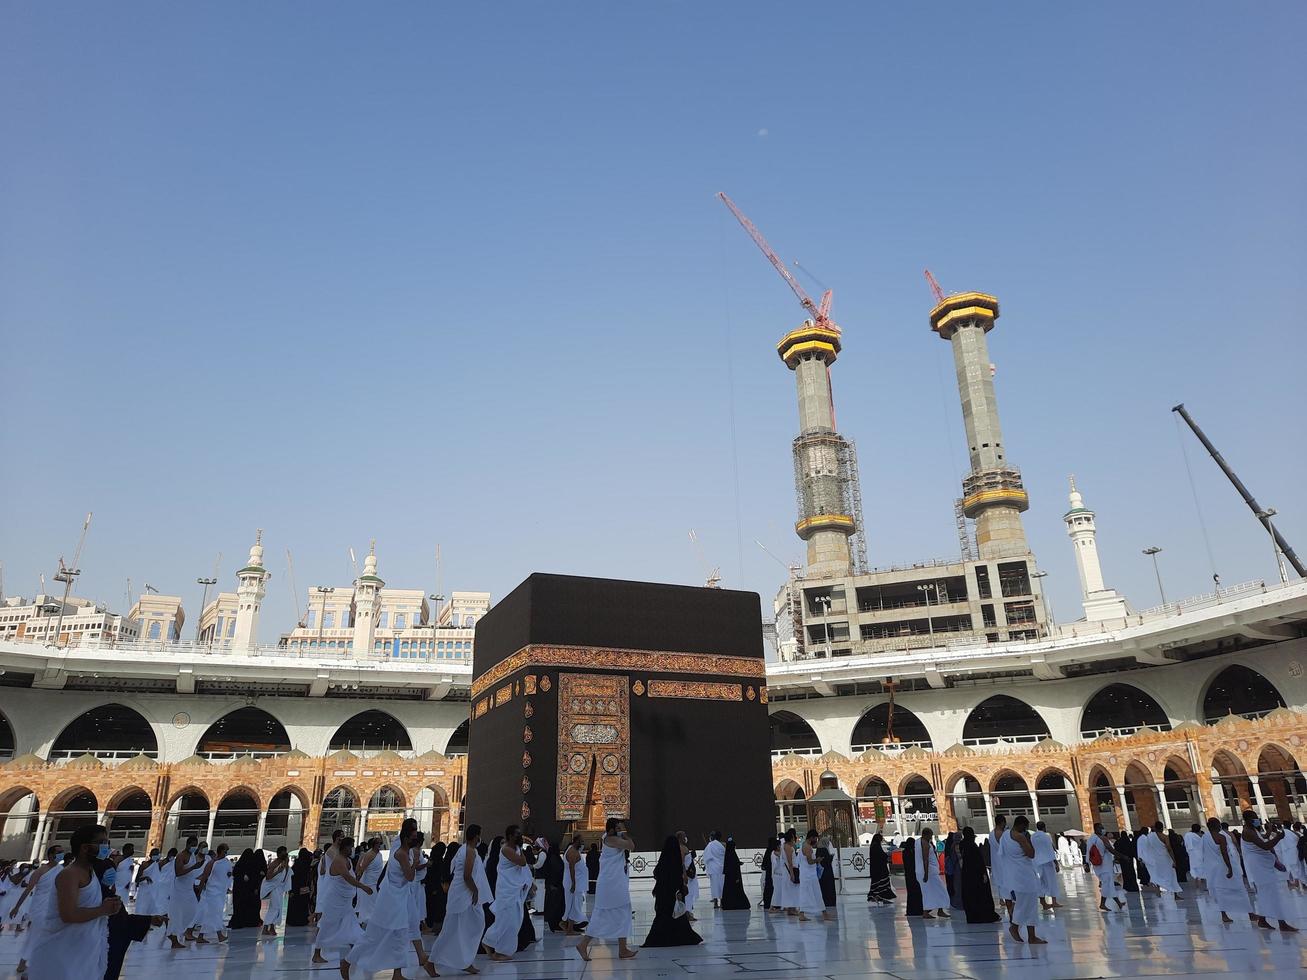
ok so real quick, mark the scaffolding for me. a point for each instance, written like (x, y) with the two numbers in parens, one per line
(964, 531)
(826, 485)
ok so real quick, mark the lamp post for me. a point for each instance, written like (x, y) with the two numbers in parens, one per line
(437, 598)
(206, 582)
(324, 591)
(1266, 516)
(924, 589)
(1152, 553)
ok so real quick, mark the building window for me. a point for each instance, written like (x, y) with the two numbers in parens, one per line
(384, 620)
(154, 630)
(328, 620)
(310, 619)
(399, 620)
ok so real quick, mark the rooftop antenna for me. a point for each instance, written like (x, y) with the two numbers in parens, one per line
(440, 581)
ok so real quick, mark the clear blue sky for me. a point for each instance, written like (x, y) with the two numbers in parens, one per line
(454, 273)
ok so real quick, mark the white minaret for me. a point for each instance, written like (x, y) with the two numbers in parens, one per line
(250, 582)
(1101, 603)
(367, 590)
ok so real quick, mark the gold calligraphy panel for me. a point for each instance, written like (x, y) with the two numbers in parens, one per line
(705, 690)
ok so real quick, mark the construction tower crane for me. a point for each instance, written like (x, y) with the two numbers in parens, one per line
(66, 575)
(712, 576)
(820, 312)
(290, 574)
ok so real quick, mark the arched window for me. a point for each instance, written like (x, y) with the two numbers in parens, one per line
(1122, 709)
(111, 731)
(457, 744)
(371, 731)
(1003, 719)
(1239, 690)
(245, 731)
(6, 739)
(873, 729)
(790, 733)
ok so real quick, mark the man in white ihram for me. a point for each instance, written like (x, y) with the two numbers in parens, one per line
(1101, 858)
(1156, 855)
(1193, 846)
(714, 863)
(1046, 867)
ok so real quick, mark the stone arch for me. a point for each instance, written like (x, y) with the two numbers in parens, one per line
(1281, 781)
(109, 730)
(1055, 791)
(128, 817)
(917, 802)
(1231, 789)
(792, 733)
(71, 793)
(123, 795)
(1103, 803)
(340, 808)
(1052, 771)
(431, 808)
(296, 791)
(387, 797)
(1121, 708)
(788, 789)
(243, 789)
(874, 786)
(1002, 718)
(75, 807)
(244, 731)
(458, 739)
(19, 813)
(287, 810)
(190, 790)
(872, 729)
(1239, 690)
(371, 730)
(8, 743)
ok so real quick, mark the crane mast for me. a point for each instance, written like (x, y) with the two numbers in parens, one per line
(1262, 515)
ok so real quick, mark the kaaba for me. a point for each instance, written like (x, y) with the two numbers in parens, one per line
(596, 698)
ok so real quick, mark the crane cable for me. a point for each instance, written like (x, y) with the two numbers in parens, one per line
(730, 394)
(1193, 489)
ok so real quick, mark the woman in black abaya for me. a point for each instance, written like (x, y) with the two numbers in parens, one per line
(878, 871)
(1125, 858)
(912, 882)
(301, 889)
(826, 880)
(555, 898)
(670, 929)
(733, 896)
(768, 887)
(246, 880)
(977, 900)
(431, 885)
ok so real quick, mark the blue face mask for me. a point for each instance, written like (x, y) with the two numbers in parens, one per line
(103, 853)
(193, 849)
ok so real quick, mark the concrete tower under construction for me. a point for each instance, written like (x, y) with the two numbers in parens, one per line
(992, 493)
(825, 463)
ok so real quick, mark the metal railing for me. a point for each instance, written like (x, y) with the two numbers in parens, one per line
(780, 753)
(1005, 740)
(1094, 733)
(104, 755)
(192, 648)
(889, 749)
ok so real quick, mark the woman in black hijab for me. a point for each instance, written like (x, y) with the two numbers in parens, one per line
(301, 886)
(768, 888)
(492, 876)
(246, 880)
(826, 879)
(977, 900)
(1125, 857)
(878, 869)
(1180, 854)
(910, 879)
(555, 898)
(733, 896)
(670, 929)
(592, 866)
(431, 885)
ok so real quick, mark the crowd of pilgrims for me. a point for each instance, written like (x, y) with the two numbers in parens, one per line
(373, 903)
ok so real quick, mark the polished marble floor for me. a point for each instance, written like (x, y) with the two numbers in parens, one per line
(1153, 937)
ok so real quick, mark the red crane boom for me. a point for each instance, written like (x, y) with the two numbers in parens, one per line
(934, 287)
(820, 312)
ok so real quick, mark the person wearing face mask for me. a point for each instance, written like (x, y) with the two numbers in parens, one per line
(184, 902)
(74, 932)
(511, 885)
(1266, 873)
(146, 877)
(387, 942)
(213, 886)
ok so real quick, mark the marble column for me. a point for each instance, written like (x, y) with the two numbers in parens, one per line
(1034, 807)
(1259, 804)
(989, 810)
(1162, 808)
(263, 826)
(895, 809)
(208, 837)
(1125, 810)
(39, 841)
